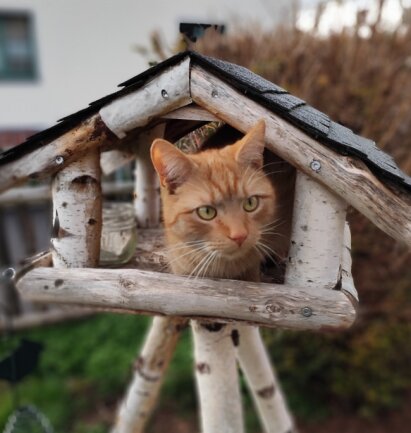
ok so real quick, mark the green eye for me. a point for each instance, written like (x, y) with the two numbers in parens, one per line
(206, 212)
(250, 204)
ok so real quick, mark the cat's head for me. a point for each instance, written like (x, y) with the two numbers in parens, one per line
(217, 202)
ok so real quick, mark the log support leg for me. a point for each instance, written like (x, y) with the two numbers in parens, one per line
(149, 370)
(217, 378)
(262, 381)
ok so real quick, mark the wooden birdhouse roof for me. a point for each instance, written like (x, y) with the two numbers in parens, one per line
(350, 165)
(312, 121)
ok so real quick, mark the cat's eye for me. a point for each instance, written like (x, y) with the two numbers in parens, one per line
(206, 212)
(250, 204)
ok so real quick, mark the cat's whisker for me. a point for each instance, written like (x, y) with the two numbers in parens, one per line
(195, 272)
(194, 252)
(268, 249)
(204, 272)
(261, 174)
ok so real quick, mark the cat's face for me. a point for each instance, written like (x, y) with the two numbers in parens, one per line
(217, 205)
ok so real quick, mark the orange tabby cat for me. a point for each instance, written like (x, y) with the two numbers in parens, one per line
(219, 207)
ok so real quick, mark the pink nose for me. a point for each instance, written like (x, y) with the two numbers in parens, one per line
(238, 238)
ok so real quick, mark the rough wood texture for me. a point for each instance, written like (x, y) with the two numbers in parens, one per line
(159, 293)
(191, 112)
(217, 378)
(149, 370)
(77, 212)
(262, 381)
(317, 235)
(347, 177)
(90, 134)
(165, 92)
(347, 281)
(147, 188)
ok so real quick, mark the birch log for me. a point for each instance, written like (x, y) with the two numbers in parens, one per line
(77, 212)
(147, 188)
(149, 370)
(89, 135)
(274, 305)
(217, 378)
(317, 235)
(347, 177)
(164, 93)
(262, 380)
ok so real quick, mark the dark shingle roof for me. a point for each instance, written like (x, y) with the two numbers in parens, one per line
(315, 123)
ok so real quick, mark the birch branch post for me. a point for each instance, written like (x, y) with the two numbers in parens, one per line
(147, 187)
(217, 378)
(77, 212)
(149, 370)
(262, 381)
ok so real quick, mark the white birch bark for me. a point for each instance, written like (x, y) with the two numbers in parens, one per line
(147, 187)
(317, 236)
(262, 381)
(217, 378)
(77, 213)
(150, 367)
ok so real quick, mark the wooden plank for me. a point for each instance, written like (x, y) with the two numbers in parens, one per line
(52, 157)
(166, 92)
(347, 177)
(160, 293)
(191, 112)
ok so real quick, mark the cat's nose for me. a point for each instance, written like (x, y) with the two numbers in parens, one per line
(238, 238)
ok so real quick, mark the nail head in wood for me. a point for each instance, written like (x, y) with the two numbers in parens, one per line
(307, 312)
(315, 165)
(59, 160)
(9, 274)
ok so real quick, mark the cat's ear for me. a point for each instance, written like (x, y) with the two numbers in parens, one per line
(172, 165)
(249, 150)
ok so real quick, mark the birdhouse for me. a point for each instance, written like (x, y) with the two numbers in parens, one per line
(335, 169)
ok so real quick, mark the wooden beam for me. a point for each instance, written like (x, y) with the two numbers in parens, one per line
(164, 93)
(346, 176)
(191, 112)
(52, 157)
(272, 305)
